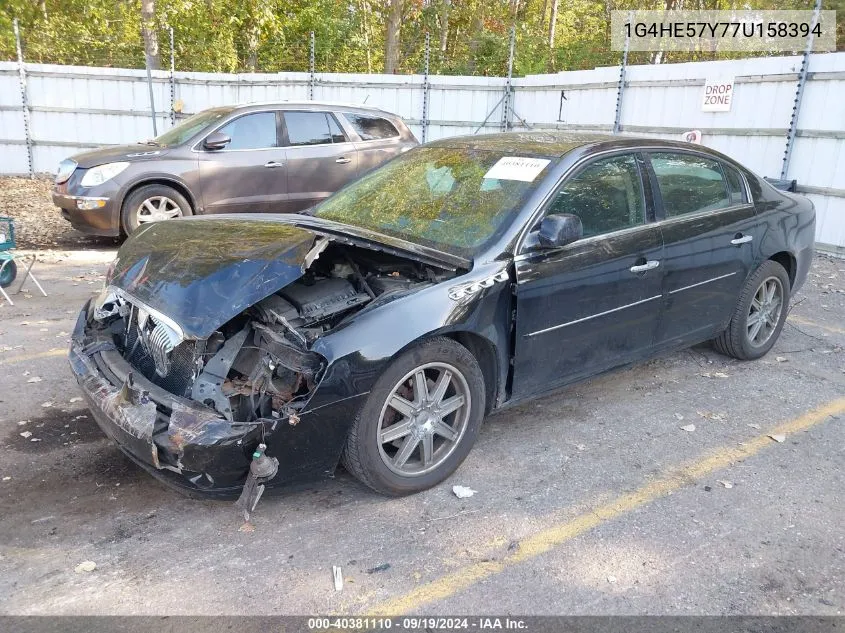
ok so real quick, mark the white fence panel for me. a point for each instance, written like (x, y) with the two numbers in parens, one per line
(75, 108)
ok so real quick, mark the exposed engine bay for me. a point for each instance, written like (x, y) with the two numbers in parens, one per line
(259, 365)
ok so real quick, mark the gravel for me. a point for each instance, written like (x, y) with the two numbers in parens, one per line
(38, 223)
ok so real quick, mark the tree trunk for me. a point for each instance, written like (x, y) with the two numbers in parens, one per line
(552, 24)
(148, 12)
(543, 15)
(365, 27)
(444, 25)
(391, 39)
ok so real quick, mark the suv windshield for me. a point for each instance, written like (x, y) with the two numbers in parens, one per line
(451, 199)
(191, 126)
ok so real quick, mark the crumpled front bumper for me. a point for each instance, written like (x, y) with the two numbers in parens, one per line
(187, 445)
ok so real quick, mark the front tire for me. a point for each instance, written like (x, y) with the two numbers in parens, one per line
(152, 203)
(759, 314)
(420, 420)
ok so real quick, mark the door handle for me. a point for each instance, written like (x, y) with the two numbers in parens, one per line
(742, 239)
(649, 265)
(343, 160)
(274, 163)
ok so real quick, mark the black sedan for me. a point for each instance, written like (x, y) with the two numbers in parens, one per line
(461, 277)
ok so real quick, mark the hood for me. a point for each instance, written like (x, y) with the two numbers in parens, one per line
(112, 154)
(202, 274)
(203, 271)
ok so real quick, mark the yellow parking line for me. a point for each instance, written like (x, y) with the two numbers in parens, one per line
(554, 536)
(807, 322)
(25, 357)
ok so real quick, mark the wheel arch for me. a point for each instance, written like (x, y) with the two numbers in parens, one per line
(161, 180)
(789, 262)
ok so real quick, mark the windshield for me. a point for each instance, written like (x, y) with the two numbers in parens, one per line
(452, 199)
(195, 123)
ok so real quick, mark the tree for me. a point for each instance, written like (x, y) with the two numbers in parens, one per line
(148, 29)
(553, 24)
(391, 37)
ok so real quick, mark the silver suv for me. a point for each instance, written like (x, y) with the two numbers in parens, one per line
(273, 157)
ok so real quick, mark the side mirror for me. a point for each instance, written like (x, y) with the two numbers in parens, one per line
(559, 229)
(216, 140)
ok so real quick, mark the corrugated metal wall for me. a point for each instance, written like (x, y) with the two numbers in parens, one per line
(74, 108)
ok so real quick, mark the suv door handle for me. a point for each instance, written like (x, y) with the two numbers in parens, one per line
(343, 160)
(649, 265)
(742, 239)
(274, 163)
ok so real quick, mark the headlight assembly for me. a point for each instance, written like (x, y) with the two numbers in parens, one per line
(101, 173)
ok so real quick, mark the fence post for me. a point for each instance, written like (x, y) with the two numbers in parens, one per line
(172, 79)
(150, 89)
(311, 64)
(426, 88)
(799, 94)
(621, 88)
(24, 100)
(506, 99)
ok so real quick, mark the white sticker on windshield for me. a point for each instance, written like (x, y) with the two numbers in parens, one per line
(517, 168)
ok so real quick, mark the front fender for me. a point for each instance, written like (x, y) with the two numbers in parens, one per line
(478, 303)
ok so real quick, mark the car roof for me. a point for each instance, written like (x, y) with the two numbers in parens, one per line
(558, 143)
(315, 105)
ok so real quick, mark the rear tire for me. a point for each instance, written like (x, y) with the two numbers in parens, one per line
(152, 203)
(400, 451)
(759, 314)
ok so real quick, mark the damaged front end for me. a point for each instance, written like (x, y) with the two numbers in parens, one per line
(194, 409)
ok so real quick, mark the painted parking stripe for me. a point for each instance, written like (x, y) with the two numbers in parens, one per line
(25, 357)
(801, 321)
(545, 540)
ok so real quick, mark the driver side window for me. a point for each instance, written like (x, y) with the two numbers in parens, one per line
(607, 195)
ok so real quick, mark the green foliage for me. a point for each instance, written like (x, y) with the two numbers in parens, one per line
(467, 36)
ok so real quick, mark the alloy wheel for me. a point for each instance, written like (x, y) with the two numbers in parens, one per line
(157, 208)
(764, 312)
(423, 419)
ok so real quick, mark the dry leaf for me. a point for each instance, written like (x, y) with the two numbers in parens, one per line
(85, 566)
(778, 437)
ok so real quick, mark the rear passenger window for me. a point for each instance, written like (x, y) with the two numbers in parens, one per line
(252, 131)
(736, 189)
(371, 128)
(312, 128)
(607, 195)
(689, 183)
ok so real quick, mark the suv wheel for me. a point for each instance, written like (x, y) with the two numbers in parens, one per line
(152, 203)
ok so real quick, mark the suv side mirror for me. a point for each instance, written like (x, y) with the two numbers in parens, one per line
(216, 140)
(559, 229)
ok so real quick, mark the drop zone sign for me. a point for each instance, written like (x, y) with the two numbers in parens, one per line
(718, 94)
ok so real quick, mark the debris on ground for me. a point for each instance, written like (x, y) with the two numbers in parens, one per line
(707, 415)
(75, 399)
(778, 437)
(753, 426)
(26, 435)
(781, 359)
(247, 527)
(463, 492)
(35, 379)
(378, 568)
(7, 478)
(726, 484)
(679, 417)
(85, 567)
(611, 579)
(337, 574)
(46, 404)
(688, 427)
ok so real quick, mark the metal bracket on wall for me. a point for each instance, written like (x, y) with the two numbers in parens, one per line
(426, 87)
(24, 100)
(311, 65)
(621, 88)
(506, 99)
(799, 94)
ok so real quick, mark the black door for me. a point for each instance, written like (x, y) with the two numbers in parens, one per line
(709, 232)
(595, 303)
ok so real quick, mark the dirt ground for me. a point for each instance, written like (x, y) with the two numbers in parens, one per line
(593, 500)
(38, 223)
